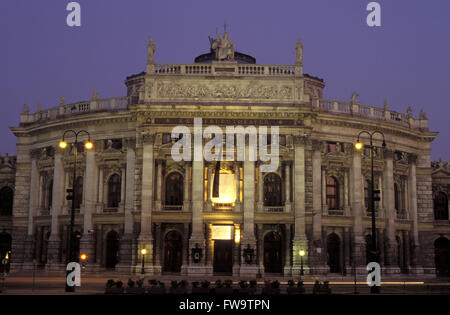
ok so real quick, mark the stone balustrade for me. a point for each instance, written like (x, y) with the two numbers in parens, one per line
(370, 112)
(67, 110)
(324, 105)
(223, 68)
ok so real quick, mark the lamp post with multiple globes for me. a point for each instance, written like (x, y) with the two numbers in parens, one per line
(358, 146)
(63, 145)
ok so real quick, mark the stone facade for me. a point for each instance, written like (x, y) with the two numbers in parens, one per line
(134, 195)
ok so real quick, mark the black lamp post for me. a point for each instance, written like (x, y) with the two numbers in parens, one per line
(301, 253)
(63, 144)
(143, 253)
(374, 252)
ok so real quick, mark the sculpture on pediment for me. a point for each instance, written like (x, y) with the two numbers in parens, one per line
(151, 48)
(299, 53)
(223, 47)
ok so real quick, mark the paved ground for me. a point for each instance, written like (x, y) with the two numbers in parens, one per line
(54, 283)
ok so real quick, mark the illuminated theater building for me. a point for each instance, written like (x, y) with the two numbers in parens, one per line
(131, 194)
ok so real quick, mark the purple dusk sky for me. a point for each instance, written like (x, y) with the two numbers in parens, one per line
(406, 60)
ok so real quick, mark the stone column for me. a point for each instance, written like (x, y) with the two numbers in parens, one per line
(123, 180)
(237, 204)
(100, 190)
(389, 206)
(412, 190)
(126, 242)
(287, 171)
(209, 251)
(287, 250)
(87, 244)
(381, 243)
(41, 201)
(54, 242)
(260, 202)
(346, 193)
(347, 264)
(406, 246)
(248, 237)
(300, 241)
(236, 251)
(197, 239)
(319, 266)
(145, 239)
(158, 203)
(184, 252)
(158, 245)
(186, 202)
(33, 203)
(324, 193)
(260, 250)
(208, 188)
(357, 205)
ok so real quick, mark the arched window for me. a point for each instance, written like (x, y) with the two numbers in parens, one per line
(441, 206)
(174, 189)
(272, 190)
(397, 197)
(49, 194)
(114, 186)
(332, 193)
(6, 201)
(79, 192)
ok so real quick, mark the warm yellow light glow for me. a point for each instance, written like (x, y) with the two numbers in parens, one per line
(358, 145)
(221, 232)
(83, 256)
(88, 145)
(63, 144)
(7, 256)
(144, 251)
(302, 252)
(227, 189)
(237, 236)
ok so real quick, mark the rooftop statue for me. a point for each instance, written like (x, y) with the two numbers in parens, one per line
(354, 99)
(422, 114)
(223, 47)
(151, 48)
(299, 52)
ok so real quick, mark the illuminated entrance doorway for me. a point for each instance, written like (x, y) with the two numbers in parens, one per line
(223, 249)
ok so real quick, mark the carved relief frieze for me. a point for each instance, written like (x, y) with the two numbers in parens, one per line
(223, 91)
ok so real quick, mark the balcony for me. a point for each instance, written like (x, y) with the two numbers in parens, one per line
(274, 209)
(173, 207)
(402, 215)
(338, 212)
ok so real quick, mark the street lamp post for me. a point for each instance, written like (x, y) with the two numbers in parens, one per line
(63, 145)
(301, 253)
(143, 252)
(359, 146)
